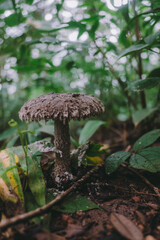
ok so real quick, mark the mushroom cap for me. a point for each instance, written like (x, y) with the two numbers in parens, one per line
(61, 106)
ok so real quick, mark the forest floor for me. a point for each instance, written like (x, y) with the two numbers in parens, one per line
(128, 192)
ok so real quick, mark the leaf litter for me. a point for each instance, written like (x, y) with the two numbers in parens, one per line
(121, 194)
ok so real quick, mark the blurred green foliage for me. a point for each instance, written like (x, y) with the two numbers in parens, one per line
(96, 47)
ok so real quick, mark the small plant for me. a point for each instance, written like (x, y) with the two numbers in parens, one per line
(23, 140)
(143, 156)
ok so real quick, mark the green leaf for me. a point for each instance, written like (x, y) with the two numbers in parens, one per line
(74, 204)
(35, 176)
(89, 129)
(5, 170)
(152, 38)
(49, 129)
(140, 115)
(148, 159)
(29, 2)
(124, 12)
(14, 19)
(145, 83)
(93, 29)
(31, 204)
(12, 141)
(94, 150)
(132, 49)
(146, 140)
(154, 73)
(114, 161)
(8, 133)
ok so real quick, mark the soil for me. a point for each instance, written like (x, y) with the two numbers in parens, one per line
(124, 192)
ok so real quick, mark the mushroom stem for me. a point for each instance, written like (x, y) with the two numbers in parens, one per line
(62, 168)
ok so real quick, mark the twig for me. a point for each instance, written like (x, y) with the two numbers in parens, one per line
(155, 189)
(40, 211)
(129, 190)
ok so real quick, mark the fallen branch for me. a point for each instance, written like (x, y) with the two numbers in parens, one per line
(42, 210)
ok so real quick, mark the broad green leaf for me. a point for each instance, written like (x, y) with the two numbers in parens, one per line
(14, 19)
(154, 73)
(35, 176)
(114, 161)
(49, 129)
(146, 140)
(5, 170)
(31, 204)
(148, 159)
(8, 133)
(145, 83)
(12, 141)
(74, 204)
(89, 129)
(140, 115)
(134, 48)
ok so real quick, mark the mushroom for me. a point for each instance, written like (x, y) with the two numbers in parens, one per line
(61, 107)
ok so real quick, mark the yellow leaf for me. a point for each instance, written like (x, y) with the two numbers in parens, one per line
(5, 194)
(16, 159)
(11, 177)
(94, 160)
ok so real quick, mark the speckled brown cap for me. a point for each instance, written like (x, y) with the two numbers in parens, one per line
(61, 106)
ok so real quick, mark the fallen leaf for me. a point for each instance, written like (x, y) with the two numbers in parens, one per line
(141, 217)
(74, 230)
(149, 237)
(5, 194)
(125, 227)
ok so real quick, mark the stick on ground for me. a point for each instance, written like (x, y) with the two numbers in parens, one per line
(42, 210)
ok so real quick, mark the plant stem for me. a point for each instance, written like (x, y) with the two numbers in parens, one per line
(24, 146)
(140, 67)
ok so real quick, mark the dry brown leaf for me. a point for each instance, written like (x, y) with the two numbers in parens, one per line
(141, 217)
(74, 230)
(5, 193)
(126, 227)
(149, 237)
